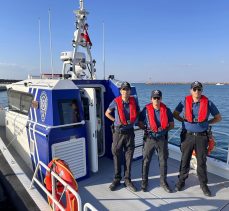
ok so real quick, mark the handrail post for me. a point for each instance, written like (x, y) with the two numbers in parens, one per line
(53, 190)
(52, 196)
(228, 155)
(34, 175)
(89, 206)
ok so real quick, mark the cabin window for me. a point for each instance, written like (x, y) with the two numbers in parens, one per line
(26, 101)
(69, 111)
(14, 100)
(85, 102)
(19, 102)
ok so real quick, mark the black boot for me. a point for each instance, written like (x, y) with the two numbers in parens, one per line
(180, 186)
(115, 183)
(144, 185)
(166, 187)
(130, 185)
(206, 190)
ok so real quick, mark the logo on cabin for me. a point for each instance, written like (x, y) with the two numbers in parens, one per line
(43, 105)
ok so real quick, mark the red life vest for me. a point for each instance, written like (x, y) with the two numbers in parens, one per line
(152, 118)
(203, 110)
(133, 110)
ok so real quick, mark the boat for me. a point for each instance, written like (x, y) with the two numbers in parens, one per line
(219, 84)
(149, 82)
(2, 88)
(38, 126)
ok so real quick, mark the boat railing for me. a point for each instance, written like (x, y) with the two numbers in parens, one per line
(176, 135)
(47, 127)
(66, 186)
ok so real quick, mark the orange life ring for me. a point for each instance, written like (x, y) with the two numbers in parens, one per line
(211, 145)
(69, 202)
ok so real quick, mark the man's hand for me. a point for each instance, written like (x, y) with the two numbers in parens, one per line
(217, 118)
(108, 115)
(177, 116)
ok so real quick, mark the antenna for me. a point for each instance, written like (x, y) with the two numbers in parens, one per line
(81, 4)
(81, 63)
(104, 75)
(50, 42)
(39, 24)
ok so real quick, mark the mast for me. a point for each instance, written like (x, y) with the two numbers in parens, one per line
(39, 25)
(81, 4)
(104, 71)
(50, 42)
(82, 65)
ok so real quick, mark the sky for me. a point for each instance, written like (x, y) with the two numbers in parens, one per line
(158, 40)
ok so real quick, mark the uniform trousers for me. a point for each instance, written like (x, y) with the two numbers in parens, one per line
(123, 142)
(199, 144)
(150, 145)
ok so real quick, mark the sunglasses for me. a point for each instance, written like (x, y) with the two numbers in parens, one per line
(195, 89)
(156, 98)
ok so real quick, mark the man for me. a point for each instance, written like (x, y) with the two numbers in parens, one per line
(156, 119)
(194, 135)
(75, 112)
(126, 110)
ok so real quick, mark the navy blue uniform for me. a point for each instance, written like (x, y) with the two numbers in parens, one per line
(194, 136)
(123, 139)
(158, 141)
(197, 127)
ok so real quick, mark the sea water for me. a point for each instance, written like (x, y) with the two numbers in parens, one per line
(172, 95)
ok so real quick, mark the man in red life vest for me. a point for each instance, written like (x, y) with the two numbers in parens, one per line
(75, 112)
(156, 119)
(126, 110)
(195, 123)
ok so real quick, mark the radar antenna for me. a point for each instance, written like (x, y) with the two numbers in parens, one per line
(82, 66)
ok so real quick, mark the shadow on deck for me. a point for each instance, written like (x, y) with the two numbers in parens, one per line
(95, 190)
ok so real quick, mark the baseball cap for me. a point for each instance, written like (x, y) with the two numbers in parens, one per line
(196, 84)
(156, 93)
(125, 84)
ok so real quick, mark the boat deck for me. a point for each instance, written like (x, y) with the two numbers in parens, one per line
(95, 189)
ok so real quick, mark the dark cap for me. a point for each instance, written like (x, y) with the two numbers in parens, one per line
(196, 84)
(156, 93)
(125, 84)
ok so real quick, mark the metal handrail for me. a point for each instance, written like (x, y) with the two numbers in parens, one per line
(174, 135)
(47, 127)
(88, 206)
(57, 126)
(52, 196)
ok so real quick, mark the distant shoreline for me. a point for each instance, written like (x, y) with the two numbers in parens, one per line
(180, 83)
(3, 82)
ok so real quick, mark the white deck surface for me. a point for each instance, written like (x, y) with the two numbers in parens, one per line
(23, 178)
(95, 190)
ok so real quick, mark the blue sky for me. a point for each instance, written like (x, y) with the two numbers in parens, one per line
(165, 40)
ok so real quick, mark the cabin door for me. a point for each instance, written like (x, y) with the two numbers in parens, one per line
(88, 96)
